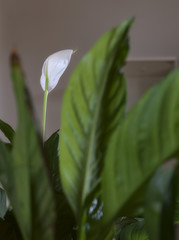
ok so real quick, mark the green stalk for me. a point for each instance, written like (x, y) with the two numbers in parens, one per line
(45, 104)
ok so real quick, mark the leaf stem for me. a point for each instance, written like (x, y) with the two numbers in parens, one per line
(45, 103)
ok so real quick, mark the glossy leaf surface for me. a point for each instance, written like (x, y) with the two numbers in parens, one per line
(93, 104)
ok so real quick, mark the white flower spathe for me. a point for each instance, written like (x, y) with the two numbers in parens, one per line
(57, 64)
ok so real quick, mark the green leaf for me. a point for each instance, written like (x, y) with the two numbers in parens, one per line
(3, 208)
(24, 173)
(7, 231)
(65, 222)
(148, 137)
(51, 147)
(176, 217)
(7, 130)
(177, 212)
(134, 231)
(14, 228)
(160, 204)
(93, 105)
(122, 222)
(65, 217)
(6, 170)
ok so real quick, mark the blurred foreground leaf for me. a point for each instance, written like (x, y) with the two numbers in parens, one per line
(23, 173)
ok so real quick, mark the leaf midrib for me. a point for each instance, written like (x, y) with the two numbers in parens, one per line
(91, 143)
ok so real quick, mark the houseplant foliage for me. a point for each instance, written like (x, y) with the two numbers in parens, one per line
(103, 174)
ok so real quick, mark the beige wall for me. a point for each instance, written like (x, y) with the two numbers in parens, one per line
(40, 27)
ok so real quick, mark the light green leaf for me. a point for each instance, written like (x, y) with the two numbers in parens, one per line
(7, 130)
(94, 103)
(148, 137)
(95, 93)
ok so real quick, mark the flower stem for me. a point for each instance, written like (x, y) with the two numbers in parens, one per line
(44, 112)
(45, 104)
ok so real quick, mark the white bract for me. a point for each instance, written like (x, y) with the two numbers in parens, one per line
(56, 64)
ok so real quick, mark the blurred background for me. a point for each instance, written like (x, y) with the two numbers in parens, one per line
(38, 28)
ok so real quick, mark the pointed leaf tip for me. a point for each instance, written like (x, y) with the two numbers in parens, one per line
(14, 57)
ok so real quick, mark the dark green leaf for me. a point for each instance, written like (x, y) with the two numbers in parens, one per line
(176, 218)
(51, 147)
(7, 231)
(6, 170)
(3, 208)
(148, 136)
(7, 130)
(93, 105)
(65, 220)
(122, 222)
(160, 204)
(177, 212)
(134, 231)
(11, 221)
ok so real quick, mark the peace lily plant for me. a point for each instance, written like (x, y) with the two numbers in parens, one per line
(106, 174)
